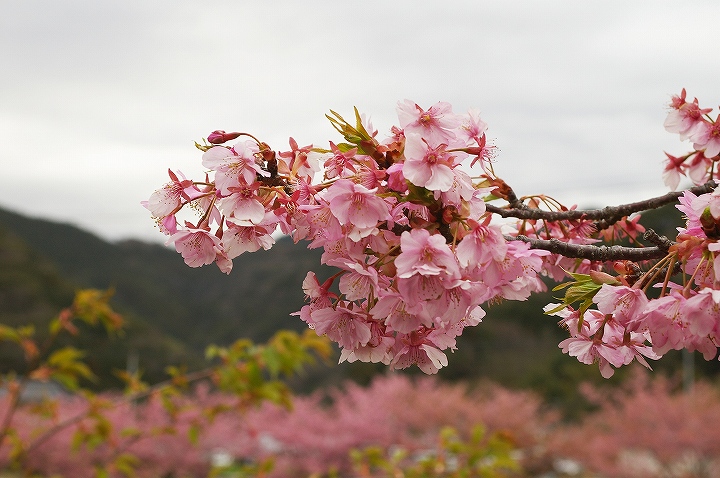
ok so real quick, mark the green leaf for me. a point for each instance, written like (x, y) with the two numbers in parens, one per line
(582, 290)
(126, 464)
(194, 433)
(9, 333)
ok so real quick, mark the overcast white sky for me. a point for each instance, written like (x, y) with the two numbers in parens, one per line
(99, 98)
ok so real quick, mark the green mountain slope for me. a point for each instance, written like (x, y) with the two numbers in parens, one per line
(32, 292)
(196, 306)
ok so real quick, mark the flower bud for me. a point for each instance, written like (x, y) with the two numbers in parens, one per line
(600, 278)
(709, 224)
(219, 136)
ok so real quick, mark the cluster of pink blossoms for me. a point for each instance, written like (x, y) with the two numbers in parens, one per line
(401, 219)
(692, 123)
(417, 251)
(685, 314)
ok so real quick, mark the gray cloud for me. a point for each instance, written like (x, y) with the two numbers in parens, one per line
(98, 99)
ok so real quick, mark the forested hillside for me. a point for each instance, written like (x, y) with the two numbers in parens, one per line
(33, 291)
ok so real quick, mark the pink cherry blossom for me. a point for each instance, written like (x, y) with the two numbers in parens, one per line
(624, 303)
(348, 328)
(324, 226)
(300, 162)
(436, 125)
(472, 128)
(198, 247)
(484, 243)
(377, 350)
(706, 201)
(369, 175)
(242, 206)
(354, 204)
(703, 312)
(419, 288)
(667, 325)
(419, 249)
(238, 239)
(699, 168)
(673, 170)
(312, 288)
(634, 346)
(425, 254)
(400, 315)
(461, 191)
(684, 118)
(707, 137)
(359, 282)
(416, 349)
(340, 163)
(319, 295)
(515, 277)
(395, 179)
(454, 300)
(588, 345)
(230, 164)
(429, 165)
(344, 249)
(168, 225)
(168, 199)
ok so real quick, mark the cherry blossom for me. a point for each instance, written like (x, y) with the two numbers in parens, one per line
(426, 255)
(197, 246)
(238, 239)
(429, 165)
(231, 164)
(342, 325)
(168, 199)
(707, 137)
(437, 124)
(242, 206)
(421, 240)
(624, 303)
(354, 204)
(417, 349)
(684, 118)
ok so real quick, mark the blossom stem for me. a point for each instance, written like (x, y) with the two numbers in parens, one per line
(671, 266)
(206, 217)
(647, 278)
(702, 262)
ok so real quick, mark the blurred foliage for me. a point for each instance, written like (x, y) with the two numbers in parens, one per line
(479, 456)
(33, 290)
(251, 373)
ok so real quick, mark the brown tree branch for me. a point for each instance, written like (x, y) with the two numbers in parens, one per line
(604, 217)
(593, 252)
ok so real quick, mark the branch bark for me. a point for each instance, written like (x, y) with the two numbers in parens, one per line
(591, 251)
(604, 217)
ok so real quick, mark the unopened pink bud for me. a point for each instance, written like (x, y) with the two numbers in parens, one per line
(474, 150)
(599, 278)
(220, 137)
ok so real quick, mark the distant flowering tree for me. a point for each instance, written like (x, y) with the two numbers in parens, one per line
(646, 429)
(412, 223)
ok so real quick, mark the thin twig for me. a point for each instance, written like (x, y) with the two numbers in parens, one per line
(661, 241)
